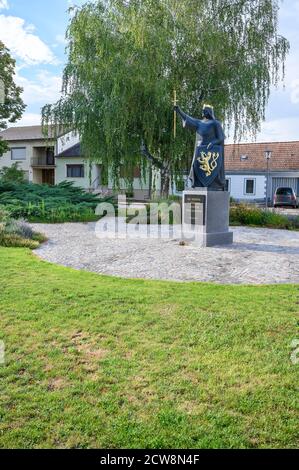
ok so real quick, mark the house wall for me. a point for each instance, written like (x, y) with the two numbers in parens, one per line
(61, 172)
(237, 185)
(25, 165)
(6, 161)
(276, 179)
(140, 187)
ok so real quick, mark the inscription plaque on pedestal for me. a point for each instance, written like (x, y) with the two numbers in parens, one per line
(206, 217)
(195, 209)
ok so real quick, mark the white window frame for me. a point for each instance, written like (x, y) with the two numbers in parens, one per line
(18, 159)
(254, 186)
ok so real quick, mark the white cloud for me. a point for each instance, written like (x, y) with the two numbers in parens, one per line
(23, 43)
(4, 5)
(45, 88)
(28, 119)
(60, 38)
(278, 130)
(295, 91)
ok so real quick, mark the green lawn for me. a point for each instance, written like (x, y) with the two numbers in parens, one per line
(94, 361)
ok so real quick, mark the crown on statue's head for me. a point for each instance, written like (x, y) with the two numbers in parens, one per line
(208, 106)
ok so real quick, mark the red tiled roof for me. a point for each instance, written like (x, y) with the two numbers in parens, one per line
(285, 156)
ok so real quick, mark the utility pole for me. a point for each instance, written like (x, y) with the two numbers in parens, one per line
(268, 156)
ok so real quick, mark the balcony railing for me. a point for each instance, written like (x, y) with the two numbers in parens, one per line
(44, 161)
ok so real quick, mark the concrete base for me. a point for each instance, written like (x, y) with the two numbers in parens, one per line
(212, 239)
(206, 217)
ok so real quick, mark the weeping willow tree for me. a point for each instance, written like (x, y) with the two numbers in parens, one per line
(126, 58)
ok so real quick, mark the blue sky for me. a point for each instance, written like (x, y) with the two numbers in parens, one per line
(34, 32)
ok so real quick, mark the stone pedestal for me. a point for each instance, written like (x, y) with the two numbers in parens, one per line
(206, 217)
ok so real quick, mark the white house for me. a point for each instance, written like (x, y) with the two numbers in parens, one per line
(71, 166)
(251, 175)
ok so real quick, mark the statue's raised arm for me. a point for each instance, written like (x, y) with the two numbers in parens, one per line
(188, 121)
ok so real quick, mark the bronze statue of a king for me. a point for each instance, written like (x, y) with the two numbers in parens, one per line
(208, 161)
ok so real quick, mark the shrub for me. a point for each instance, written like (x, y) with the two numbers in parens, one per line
(42, 203)
(4, 214)
(245, 215)
(12, 174)
(12, 240)
(16, 233)
(19, 227)
(250, 215)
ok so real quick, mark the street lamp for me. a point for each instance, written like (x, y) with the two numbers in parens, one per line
(268, 156)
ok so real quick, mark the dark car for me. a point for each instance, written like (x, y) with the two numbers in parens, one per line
(285, 197)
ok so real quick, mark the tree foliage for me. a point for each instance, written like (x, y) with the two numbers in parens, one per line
(12, 174)
(126, 57)
(12, 106)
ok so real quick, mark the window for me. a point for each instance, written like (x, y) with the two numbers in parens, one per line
(250, 186)
(50, 156)
(284, 192)
(75, 171)
(18, 153)
(228, 185)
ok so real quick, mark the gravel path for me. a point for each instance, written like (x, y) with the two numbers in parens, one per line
(258, 256)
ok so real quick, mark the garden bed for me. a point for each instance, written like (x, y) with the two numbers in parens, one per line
(49, 204)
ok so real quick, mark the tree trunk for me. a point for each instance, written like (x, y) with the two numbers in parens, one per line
(163, 167)
(165, 184)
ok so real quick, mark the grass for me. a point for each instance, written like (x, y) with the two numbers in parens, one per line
(95, 361)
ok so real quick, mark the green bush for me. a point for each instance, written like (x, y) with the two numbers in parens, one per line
(16, 233)
(254, 216)
(15, 241)
(12, 174)
(42, 203)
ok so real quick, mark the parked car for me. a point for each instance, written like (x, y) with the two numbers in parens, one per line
(285, 197)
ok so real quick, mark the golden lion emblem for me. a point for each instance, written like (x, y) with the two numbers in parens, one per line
(208, 162)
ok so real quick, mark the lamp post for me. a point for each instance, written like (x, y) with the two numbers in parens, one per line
(268, 156)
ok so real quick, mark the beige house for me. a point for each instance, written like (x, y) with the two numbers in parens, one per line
(52, 162)
(71, 166)
(34, 154)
